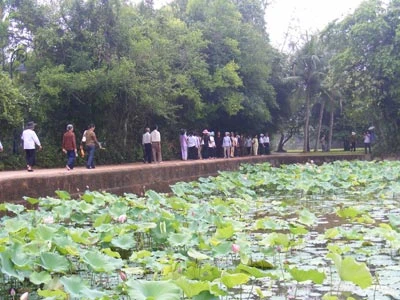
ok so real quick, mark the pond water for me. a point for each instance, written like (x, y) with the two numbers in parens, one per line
(295, 232)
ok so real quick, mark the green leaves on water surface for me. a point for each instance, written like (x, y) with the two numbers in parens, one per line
(279, 220)
(350, 270)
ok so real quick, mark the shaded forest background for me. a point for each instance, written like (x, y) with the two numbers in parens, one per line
(192, 64)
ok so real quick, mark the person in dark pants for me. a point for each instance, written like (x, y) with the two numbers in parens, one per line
(353, 139)
(91, 141)
(146, 142)
(69, 147)
(30, 141)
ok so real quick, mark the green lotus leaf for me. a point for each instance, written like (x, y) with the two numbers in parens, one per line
(15, 225)
(350, 270)
(54, 262)
(154, 290)
(102, 220)
(222, 249)
(203, 273)
(125, 241)
(86, 208)
(52, 294)
(232, 280)
(39, 278)
(43, 232)
(82, 236)
(205, 295)
(197, 255)
(63, 195)
(15, 208)
(156, 197)
(180, 239)
(111, 253)
(307, 218)
(331, 233)
(192, 287)
(76, 287)
(7, 266)
(304, 275)
(348, 212)
(297, 229)
(225, 232)
(100, 262)
(63, 211)
(257, 273)
(21, 259)
(31, 200)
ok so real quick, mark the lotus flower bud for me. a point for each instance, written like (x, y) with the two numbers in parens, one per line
(48, 220)
(123, 275)
(235, 248)
(12, 292)
(122, 218)
(24, 296)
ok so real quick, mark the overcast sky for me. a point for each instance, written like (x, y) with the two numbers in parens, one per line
(299, 16)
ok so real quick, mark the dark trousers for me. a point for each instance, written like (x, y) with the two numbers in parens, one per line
(193, 153)
(353, 146)
(367, 146)
(30, 155)
(71, 158)
(147, 152)
(90, 161)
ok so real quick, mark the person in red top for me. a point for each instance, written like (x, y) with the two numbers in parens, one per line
(69, 147)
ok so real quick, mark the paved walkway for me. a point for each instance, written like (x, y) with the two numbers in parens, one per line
(5, 175)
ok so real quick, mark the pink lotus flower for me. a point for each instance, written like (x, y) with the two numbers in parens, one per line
(123, 275)
(48, 220)
(235, 248)
(24, 296)
(122, 218)
(12, 292)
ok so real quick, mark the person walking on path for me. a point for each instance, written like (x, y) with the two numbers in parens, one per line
(353, 139)
(91, 142)
(69, 147)
(227, 144)
(367, 142)
(30, 140)
(146, 142)
(183, 141)
(156, 145)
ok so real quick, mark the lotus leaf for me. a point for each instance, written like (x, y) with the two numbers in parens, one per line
(54, 262)
(350, 270)
(303, 275)
(232, 280)
(197, 255)
(192, 287)
(63, 195)
(124, 241)
(154, 290)
(77, 288)
(100, 262)
(39, 278)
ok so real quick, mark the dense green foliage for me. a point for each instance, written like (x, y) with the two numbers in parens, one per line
(192, 64)
(305, 230)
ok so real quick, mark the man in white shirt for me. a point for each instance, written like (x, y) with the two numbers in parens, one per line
(156, 145)
(146, 142)
(1, 147)
(30, 140)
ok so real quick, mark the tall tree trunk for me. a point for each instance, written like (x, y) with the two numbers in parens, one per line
(306, 145)
(321, 116)
(330, 130)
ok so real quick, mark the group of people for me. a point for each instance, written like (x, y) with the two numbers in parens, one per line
(151, 142)
(211, 145)
(368, 139)
(31, 142)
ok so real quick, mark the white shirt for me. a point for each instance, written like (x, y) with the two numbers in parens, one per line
(30, 139)
(266, 139)
(226, 142)
(146, 139)
(1, 146)
(155, 136)
(192, 141)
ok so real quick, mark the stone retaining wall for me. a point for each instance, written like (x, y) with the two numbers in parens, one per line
(137, 178)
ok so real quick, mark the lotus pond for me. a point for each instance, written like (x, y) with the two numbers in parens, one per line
(294, 232)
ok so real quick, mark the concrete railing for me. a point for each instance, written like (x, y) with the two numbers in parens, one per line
(137, 178)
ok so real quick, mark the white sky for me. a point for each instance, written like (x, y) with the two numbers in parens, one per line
(296, 17)
(299, 16)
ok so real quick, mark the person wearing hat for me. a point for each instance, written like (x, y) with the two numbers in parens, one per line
(353, 139)
(205, 144)
(30, 140)
(69, 147)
